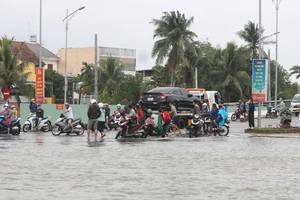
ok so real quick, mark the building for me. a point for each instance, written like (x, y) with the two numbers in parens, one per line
(30, 54)
(87, 54)
(146, 73)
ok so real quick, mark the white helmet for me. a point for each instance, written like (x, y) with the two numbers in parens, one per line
(118, 105)
(204, 104)
(100, 105)
(6, 105)
(93, 101)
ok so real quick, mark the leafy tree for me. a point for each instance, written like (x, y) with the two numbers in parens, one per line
(295, 70)
(161, 75)
(110, 75)
(230, 71)
(175, 39)
(12, 70)
(87, 76)
(57, 81)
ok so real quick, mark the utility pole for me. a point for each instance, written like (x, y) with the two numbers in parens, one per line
(260, 42)
(96, 68)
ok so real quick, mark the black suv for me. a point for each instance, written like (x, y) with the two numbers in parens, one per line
(161, 96)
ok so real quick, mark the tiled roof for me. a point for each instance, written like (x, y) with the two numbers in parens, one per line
(27, 54)
(35, 48)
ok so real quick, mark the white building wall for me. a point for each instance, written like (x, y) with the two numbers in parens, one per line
(53, 62)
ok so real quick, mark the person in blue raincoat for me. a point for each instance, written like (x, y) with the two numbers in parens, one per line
(221, 118)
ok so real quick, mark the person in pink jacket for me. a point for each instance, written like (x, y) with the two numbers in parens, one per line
(7, 117)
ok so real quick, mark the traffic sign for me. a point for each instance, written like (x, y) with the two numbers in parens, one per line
(6, 93)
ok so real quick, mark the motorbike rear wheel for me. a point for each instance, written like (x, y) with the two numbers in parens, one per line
(118, 134)
(192, 132)
(56, 130)
(224, 131)
(46, 127)
(18, 132)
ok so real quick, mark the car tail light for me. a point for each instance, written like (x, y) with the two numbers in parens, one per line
(163, 97)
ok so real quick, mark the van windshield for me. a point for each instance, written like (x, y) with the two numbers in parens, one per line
(296, 98)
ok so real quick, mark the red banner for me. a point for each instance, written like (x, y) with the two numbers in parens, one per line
(39, 85)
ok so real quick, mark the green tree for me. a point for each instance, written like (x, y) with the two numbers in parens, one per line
(230, 71)
(161, 75)
(175, 39)
(110, 76)
(295, 70)
(250, 34)
(87, 76)
(55, 81)
(12, 70)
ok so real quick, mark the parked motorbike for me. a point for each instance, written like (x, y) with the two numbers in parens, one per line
(222, 131)
(196, 125)
(44, 125)
(272, 112)
(128, 129)
(61, 126)
(15, 127)
(236, 114)
(114, 121)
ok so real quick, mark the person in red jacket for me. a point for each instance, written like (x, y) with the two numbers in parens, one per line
(139, 114)
(166, 118)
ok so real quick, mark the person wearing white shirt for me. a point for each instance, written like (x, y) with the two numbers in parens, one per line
(69, 115)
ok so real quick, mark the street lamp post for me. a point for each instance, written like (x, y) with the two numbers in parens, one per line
(67, 20)
(276, 56)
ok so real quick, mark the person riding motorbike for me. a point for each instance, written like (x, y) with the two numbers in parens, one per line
(196, 109)
(213, 114)
(69, 115)
(39, 115)
(140, 114)
(221, 118)
(7, 117)
(204, 108)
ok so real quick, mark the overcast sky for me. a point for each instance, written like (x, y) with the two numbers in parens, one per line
(125, 24)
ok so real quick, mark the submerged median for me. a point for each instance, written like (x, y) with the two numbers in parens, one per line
(274, 132)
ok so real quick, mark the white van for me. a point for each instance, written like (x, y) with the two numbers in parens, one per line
(211, 96)
(295, 104)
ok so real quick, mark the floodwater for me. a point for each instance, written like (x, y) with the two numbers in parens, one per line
(42, 166)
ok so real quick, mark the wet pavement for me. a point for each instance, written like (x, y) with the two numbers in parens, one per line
(37, 165)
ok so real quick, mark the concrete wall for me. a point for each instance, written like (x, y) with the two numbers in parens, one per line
(53, 62)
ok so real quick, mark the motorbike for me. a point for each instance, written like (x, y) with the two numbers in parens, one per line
(286, 118)
(44, 125)
(196, 125)
(15, 127)
(222, 131)
(61, 126)
(150, 130)
(114, 121)
(272, 112)
(236, 114)
(128, 129)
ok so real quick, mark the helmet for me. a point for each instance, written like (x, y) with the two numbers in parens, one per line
(13, 106)
(67, 104)
(122, 112)
(6, 105)
(32, 99)
(118, 105)
(204, 104)
(100, 105)
(106, 104)
(240, 101)
(93, 101)
(195, 101)
(39, 105)
(149, 112)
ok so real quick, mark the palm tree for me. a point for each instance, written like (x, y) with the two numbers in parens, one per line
(230, 71)
(87, 76)
(250, 34)
(295, 70)
(12, 69)
(175, 39)
(110, 75)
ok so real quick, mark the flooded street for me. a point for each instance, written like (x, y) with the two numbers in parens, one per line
(42, 166)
